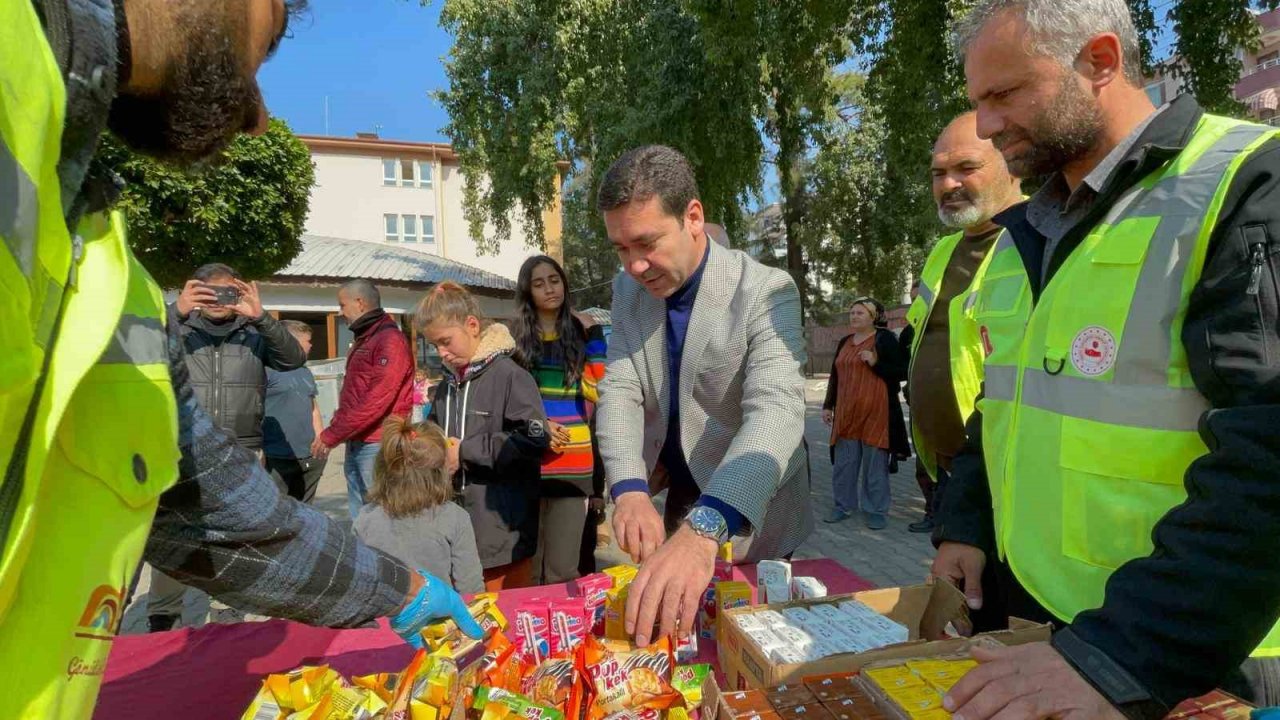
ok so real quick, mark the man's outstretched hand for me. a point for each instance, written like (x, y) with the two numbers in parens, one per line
(668, 589)
(637, 525)
(1027, 681)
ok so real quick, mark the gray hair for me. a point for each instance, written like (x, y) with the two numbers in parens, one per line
(1058, 28)
(364, 290)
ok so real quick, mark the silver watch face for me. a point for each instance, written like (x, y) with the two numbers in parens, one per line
(708, 523)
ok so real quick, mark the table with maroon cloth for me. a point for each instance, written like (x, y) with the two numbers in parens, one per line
(214, 671)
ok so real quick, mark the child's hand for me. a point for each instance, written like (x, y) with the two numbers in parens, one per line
(559, 435)
(451, 461)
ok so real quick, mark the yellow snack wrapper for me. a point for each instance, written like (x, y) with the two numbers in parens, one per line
(286, 693)
(423, 711)
(446, 632)
(615, 612)
(263, 707)
(431, 679)
(343, 703)
(892, 678)
(382, 684)
(622, 575)
(936, 714)
(725, 552)
(732, 594)
(916, 699)
(678, 713)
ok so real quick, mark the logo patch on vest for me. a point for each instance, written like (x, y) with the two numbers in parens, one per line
(986, 340)
(101, 617)
(1093, 352)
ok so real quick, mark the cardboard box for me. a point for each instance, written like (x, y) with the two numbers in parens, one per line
(922, 692)
(924, 609)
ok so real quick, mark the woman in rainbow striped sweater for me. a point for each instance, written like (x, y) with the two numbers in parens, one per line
(567, 359)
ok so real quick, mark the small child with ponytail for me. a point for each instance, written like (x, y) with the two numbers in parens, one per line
(410, 516)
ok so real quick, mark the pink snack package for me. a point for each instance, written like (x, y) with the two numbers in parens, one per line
(592, 589)
(710, 607)
(568, 624)
(533, 632)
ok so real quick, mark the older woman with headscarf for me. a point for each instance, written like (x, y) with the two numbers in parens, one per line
(861, 407)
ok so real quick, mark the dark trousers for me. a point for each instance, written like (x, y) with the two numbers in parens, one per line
(590, 535)
(926, 488)
(680, 500)
(932, 491)
(296, 477)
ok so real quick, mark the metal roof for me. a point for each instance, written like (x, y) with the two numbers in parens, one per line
(331, 257)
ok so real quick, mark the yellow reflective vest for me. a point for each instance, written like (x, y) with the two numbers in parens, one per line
(966, 345)
(88, 420)
(1089, 414)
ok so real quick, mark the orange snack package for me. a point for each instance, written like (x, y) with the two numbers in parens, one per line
(555, 683)
(626, 678)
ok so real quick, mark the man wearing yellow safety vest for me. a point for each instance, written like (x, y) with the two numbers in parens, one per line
(970, 186)
(99, 430)
(1124, 459)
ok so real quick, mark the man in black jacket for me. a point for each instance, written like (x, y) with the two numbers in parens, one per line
(229, 342)
(229, 346)
(1055, 87)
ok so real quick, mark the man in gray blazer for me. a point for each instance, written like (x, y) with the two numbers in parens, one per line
(703, 394)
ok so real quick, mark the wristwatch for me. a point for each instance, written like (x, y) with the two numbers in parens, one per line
(708, 523)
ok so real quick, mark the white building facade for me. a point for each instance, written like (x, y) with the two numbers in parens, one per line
(406, 194)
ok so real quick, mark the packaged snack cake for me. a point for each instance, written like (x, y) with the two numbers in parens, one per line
(555, 683)
(624, 677)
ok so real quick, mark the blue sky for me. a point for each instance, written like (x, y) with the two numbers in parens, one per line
(376, 60)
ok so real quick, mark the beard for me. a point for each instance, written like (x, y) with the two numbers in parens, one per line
(966, 216)
(204, 101)
(1067, 129)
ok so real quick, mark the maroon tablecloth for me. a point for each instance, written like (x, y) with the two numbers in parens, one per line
(214, 671)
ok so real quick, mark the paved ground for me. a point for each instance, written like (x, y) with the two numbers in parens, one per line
(888, 557)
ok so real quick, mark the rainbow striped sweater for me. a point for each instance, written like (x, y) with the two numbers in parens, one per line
(570, 471)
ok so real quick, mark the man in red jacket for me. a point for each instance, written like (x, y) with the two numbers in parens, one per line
(378, 383)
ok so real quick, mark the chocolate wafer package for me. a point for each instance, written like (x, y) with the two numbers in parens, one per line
(624, 677)
(556, 683)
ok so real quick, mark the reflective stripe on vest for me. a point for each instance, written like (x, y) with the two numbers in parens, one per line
(963, 339)
(1089, 412)
(81, 485)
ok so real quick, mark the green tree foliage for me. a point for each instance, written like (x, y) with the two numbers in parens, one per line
(916, 87)
(790, 46)
(1204, 54)
(589, 258)
(861, 239)
(536, 81)
(247, 211)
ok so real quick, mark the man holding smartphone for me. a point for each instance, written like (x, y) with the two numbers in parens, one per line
(229, 342)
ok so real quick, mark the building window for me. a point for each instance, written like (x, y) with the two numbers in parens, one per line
(388, 172)
(410, 225)
(406, 173)
(428, 229)
(424, 174)
(1155, 92)
(391, 231)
